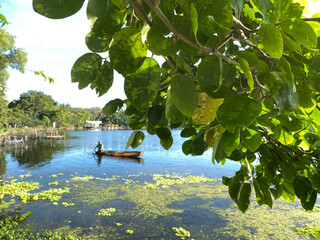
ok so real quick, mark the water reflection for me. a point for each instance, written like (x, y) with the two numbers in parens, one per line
(3, 167)
(36, 152)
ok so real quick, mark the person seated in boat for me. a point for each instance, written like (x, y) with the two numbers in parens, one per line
(99, 146)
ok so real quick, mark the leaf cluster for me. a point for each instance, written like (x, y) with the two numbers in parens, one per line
(240, 77)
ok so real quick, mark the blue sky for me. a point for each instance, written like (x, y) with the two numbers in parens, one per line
(53, 46)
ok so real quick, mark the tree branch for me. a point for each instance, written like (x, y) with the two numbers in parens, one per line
(310, 19)
(140, 13)
(239, 25)
(180, 36)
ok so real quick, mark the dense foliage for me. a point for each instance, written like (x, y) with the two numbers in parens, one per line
(35, 109)
(38, 109)
(10, 57)
(241, 77)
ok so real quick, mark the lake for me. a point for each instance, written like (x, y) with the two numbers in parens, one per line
(162, 195)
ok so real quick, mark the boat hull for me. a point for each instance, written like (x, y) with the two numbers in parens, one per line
(121, 153)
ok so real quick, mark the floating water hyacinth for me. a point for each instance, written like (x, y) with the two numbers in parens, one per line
(181, 232)
(166, 180)
(53, 175)
(67, 204)
(21, 177)
(106, 212)
(55, 183)
(129, 231)
(84, 178)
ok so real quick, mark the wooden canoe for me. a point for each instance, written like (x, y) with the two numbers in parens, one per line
(122, 153)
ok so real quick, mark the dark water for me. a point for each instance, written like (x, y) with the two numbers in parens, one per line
(204, 209)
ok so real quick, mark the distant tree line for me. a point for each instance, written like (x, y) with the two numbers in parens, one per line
(35, 109)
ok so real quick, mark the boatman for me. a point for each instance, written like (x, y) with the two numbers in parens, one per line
(99, 146)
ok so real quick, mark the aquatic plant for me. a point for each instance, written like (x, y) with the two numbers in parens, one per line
(18, 189)
(129, 231)
(21, 177)
(166, 180)
(53, 176)
(106, 212)
(10, 229)
(55, 183)
(84, 178)
(67, 204)
(309, 231)
(181, 232)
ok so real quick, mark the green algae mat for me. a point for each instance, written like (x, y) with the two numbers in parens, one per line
(141, 206)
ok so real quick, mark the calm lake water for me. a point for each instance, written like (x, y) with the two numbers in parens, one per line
(151, 195)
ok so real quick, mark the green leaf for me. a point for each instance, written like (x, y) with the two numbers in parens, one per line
(156, 114)
(198, 144)
(127, 51)
(240, 194)
(85, 69)
(173, 114)
(141, 87)
(251, 138)
(307, 97)
(262, 6)
(263, 193)
(286, 9)
(230, 141)
(194, 20)
(238, 110)
(166, 143)
(96, 43)
(221, 11)
(212, 135)
(158, 44)
(57, 9)
(135, 139)
(112, 106)
(206, 110)
(103, 82)
(283, 92)
(246, 69)
(186, 147)
(291, 44)
(184, 94)
(304, 191)
(188, 132)
(209, 74)
(106, 16)
(163, 133)
(301, 31)
(285, 68)
(288, 171)
(271, 39)
(217, 153)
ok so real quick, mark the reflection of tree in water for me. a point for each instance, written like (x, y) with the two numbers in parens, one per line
(3, 165)
(38, 152)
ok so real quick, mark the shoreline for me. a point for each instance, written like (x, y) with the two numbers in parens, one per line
(27, 133)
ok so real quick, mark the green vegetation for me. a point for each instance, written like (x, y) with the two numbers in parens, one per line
(309, 231)
(240, 77)
(106, 212)
(9, 230)
(34, 109)
(181, 232)
(115, 208)
(12, 57)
